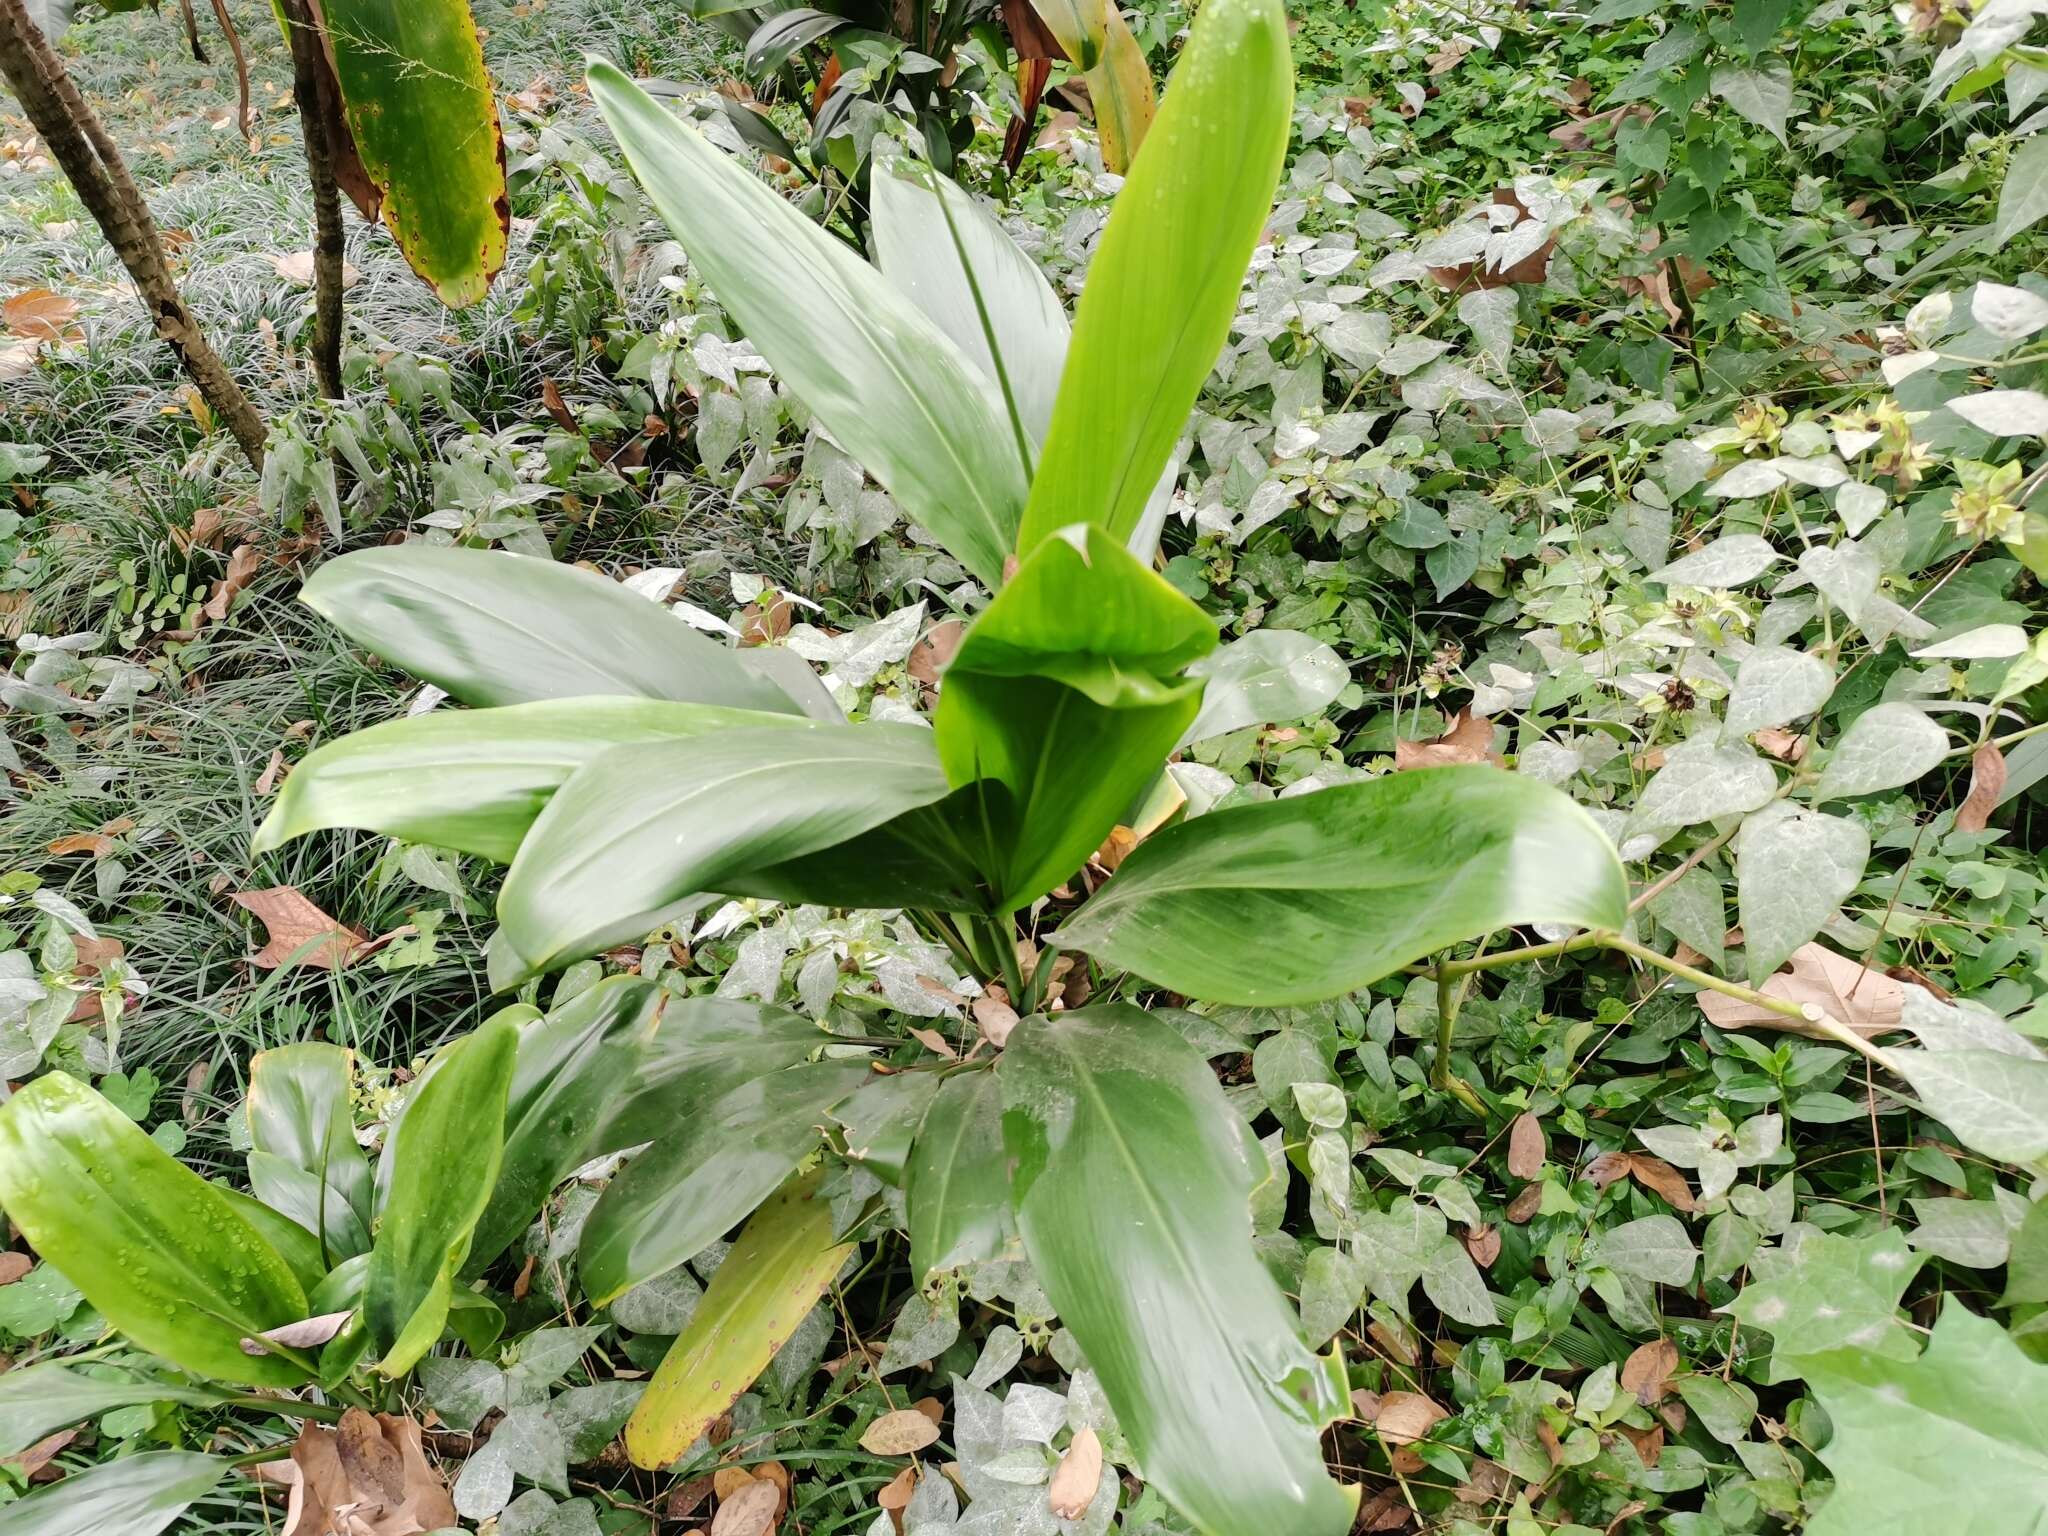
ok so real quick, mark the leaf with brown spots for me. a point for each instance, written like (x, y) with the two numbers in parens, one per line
(1527, 1148)
(1987, 784)
(293, 922)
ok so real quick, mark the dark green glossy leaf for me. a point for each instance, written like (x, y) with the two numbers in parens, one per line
(136, 1496)
(297, 1246)
(645, 827)
(303, 1129)
(771, 44)
(621, 1064)
(881, 1121)
(684, 1192)
(439, 1165)
(930, 857)
(157, 1250)
(1164, 283)
(957, 1183)
(881, 378)
(37, 1399)
(953, 261)
(778, 1268)
(1067, 690)
(473, 780)
(1321, 894)
(1131, 1179)
(419, 105)
(498, 628)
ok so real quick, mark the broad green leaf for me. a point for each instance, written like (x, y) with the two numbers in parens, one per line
(621, 1064)
(775, 1273)
(770, 44)
(157, 1250)
(300, 1117)
(1955, 1440)
(1067, 691)
(644, 827)
(1824, 1291)
(880, 1122)
(1693, 908)
(1886, 746)
(957, 1184)
(439, 1166)
(1269, 677)
(1727, 562)
(474, 780)
(301, 1251)
(1321, 894)
(951, 259)
(420, 108)
(1653, 1248)
(134, 1495)
(880, 377)
(2023, 200)
(688, 1189)
(1762, 96)
(1996, 1103)
(1702, 781)
(37, 1399)
(1794, 869)
(1131, 1178)
(1164, 284)
(2005, 412)
(1774, 686)
(496, 628)
(1974, 1233)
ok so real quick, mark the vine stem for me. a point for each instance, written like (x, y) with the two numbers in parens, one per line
(1449, 973)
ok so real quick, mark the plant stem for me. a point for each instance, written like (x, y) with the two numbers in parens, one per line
(291, 1407)
(1809, 1014)
(307, 63)
(80, 143)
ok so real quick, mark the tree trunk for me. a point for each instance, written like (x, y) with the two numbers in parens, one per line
(327, 237)
(80, 143)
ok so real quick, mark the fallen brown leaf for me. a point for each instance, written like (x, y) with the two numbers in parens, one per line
(1658, 1176)
(1527, 1148)
(367, 1477)
(935, 1042)
(688, 1498)
(899, 1433)
(1649, 1444)
(1405, 1417)
(727, 1481)
(996, 1018)
(1483, 1243)
(297, 268)
(1786, 746)
(1077, 1477)
(1606, 1168)
(40, 315)
(1533, 268)
(1647, 1371)
(98, 844)
(897, 1491)
(13, 1266)
(243, 565)
(749, 1512)
(1524, 1206)
(929, 656)
(38, 1456)
(1870, 1002)
(292, 921)
(1987, 783)
(1465, 741)
(1115, 849)
(308, 1333)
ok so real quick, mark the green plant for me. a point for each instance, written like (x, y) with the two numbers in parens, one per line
(623, 765)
